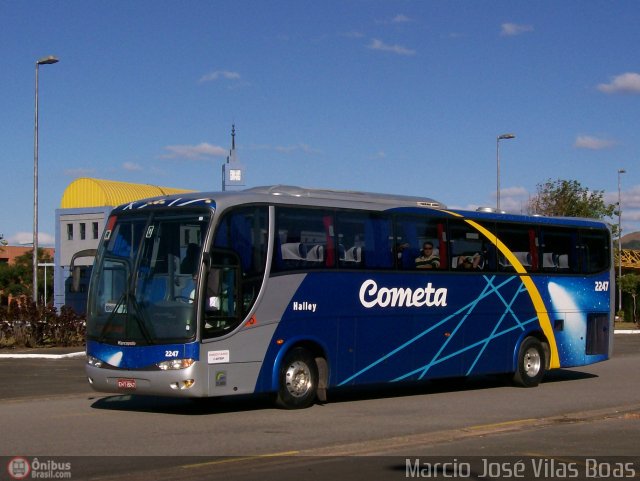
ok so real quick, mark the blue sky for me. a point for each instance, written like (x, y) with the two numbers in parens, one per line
(382, 96)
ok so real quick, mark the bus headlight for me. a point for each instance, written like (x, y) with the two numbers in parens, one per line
(94, 361)
(181, 385)
(175, 364)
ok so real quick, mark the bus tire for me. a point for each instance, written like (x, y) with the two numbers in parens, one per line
(298, 380)
(531, 363)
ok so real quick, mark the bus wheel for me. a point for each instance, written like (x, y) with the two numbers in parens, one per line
(531, 363)
(298, 380)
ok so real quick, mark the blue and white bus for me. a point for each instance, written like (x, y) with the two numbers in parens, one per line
(296, 291)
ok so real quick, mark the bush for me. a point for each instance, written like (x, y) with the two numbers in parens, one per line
(28, 325)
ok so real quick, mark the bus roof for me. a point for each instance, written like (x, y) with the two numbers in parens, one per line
(346, 195)
(287, 194)
(481, 215)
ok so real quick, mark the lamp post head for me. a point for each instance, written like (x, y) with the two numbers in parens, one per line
(47, 60)
(506, 136)
(622, 171)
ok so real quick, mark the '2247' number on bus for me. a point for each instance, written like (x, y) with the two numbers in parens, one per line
(602, 286)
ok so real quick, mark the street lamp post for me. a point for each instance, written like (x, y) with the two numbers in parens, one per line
(43, 61)
(500, 137)
(620, 171)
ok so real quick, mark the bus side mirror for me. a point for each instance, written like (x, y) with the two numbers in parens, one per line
(75, 270)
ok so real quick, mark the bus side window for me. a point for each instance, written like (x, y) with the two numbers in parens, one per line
(411, 234)
(221, 311)
(466, 247)
(303, 240)
(367, 240)
(521, 240)
(235, 268)
(595, 252)
(212, 295)
(560, 247)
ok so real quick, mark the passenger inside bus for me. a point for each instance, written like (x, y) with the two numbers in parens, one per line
(470, 262)
(428, 259)
(189, 263)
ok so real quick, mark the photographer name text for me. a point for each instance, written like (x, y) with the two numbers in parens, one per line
(539, 468)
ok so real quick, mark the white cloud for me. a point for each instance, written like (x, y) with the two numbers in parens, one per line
(132, 167)
(630, 198)
(592, 143)
(627, 215)
(397, 49)
(626, 83)
(400, 18)
(288, 149)
(194, 152)
(219, 74)
(396, 19)
(26, 238)
(514, 199)
(630, 207)
(514, 192)
(513, 29)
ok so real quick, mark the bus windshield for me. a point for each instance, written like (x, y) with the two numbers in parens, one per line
(145, 281)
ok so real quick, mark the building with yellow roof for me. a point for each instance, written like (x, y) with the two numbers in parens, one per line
(86, 192)
(84, 209)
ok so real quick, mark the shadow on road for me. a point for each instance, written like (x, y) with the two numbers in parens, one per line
(208, 406)
(185, 407)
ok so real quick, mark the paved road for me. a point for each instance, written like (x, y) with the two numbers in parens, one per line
(369, 434)
(55, 375)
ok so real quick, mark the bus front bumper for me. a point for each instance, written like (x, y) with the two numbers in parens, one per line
(174, 383)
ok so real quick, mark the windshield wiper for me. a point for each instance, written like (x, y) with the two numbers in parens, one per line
(107, 323)
(138, 316)
(140, 319)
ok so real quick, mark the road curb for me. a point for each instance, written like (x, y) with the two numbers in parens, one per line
(40, 355)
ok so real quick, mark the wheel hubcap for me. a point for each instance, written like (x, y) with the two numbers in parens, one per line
(298, 379)
(532, 362)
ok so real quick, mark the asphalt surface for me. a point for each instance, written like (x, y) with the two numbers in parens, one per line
(55, 377)
(60, 370)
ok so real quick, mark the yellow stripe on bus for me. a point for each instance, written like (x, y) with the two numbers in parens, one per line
(532, 290)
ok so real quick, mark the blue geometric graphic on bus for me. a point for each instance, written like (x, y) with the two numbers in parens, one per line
(470, 353)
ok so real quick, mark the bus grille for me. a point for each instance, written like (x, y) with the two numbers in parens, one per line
(597, 334)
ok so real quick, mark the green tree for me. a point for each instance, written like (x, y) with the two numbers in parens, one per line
(17, 279)
(569, 198)
(630, 284)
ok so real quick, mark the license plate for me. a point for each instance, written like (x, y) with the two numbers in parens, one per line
(126, 383)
